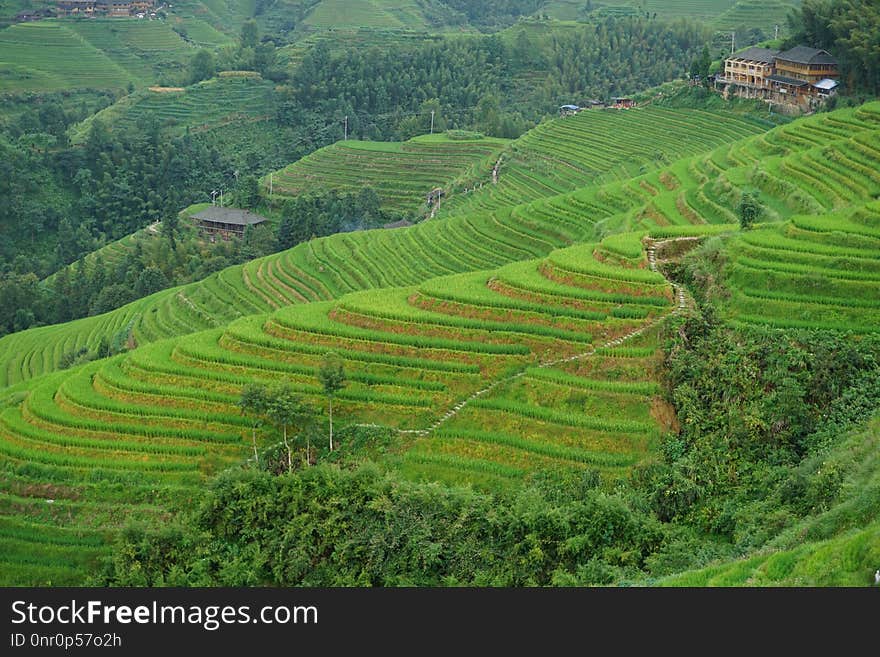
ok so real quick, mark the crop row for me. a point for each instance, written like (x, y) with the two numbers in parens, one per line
(564, 418)
(640, 388)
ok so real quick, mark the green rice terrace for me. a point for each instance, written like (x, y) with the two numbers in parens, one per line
(506, 338)
(401, 173)
(709, 10)
(228, 98)
(50, 55)
(552, 158)
(531, 353)
(335, 14)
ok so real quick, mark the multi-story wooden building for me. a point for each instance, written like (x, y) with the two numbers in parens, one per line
(803, 76)
(750, 69)
(808, 64)
(111, 8)
(76, 7)
(799, 77)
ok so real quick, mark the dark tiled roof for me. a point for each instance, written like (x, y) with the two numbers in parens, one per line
(229, 216)
(806, 55)
(753, 54)
(793, 82)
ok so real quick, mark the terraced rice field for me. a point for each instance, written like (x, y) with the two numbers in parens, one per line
(48, 56)
(756, 13)
(338, 40)
(600, 146)
(819, 271)
(96, 54)
(114, 252)
(146, 49)
(221, 15)
(497, 343)
(707, 9)
(673, 200)
(343, 14)
(206, 105)
(401, 173)
(530, 348)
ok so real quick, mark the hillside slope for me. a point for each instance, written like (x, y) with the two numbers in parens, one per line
(214, 103)
(838, 547)
(50, 55)
(476, 370)
(325, 268)
(549, 359)
(697, 190)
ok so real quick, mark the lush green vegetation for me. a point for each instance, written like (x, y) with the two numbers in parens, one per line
(551, 158)
(166, 412)
(495, 84)
(626, 347)
(217, 102)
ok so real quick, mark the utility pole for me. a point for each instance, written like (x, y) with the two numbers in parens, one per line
(776, 31)
(346, 129)
(213, 197)
(732, 42)
(432, 122)
(221, 197)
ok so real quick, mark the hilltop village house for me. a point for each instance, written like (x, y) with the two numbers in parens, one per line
(226, 222)
(800, 77)
(111, 8)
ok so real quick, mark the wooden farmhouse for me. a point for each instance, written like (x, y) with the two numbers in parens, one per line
(226, 222)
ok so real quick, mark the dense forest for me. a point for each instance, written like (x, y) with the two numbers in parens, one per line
(478, 83)
(848, 28)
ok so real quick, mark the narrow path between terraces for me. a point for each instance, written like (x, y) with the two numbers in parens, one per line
(683, 300)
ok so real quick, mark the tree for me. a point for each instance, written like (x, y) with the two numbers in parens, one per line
(701, 65)
(202, 66)
(331, 374)
(286, 237)
(749, 210)
(170, 228)
(250, 32)
(247, 191)
(258, 241)
(254, 402)
(285, 408)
